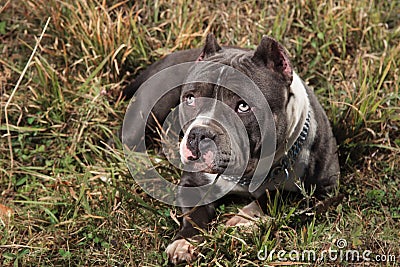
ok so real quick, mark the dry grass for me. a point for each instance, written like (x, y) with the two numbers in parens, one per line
(66, 199)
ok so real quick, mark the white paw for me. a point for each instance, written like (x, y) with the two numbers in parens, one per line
(238, 220)
(247, 216)
(180, 251)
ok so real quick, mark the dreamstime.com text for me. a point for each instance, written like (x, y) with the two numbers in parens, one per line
(342, 254)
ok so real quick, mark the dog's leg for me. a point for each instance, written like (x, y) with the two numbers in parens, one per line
(194, 220)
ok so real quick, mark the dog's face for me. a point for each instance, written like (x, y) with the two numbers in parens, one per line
(207, 142)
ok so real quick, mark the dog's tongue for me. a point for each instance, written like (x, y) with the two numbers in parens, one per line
(208, 158)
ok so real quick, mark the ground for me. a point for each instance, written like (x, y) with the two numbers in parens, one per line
(67, 199)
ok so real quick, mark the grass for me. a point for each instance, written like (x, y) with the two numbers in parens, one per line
(67, 199)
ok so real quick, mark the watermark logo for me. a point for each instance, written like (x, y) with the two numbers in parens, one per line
(341, 243)
(151, 103)
(342, 254)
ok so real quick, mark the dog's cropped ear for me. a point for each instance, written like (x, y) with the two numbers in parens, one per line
(210, 48)
(274, 56)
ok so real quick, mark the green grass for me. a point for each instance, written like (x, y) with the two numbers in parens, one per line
(73, 200)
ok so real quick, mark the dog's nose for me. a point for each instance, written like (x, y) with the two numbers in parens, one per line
(200, 141)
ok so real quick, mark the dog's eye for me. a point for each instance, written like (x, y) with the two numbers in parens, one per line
(190, 99)
(242, 107)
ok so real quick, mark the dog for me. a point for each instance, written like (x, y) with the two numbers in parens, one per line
(305, 151)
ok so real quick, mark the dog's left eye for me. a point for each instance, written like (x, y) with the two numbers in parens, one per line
(190, 99)
(242, 107)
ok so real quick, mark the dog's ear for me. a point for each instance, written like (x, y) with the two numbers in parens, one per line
(210, 48)
(274, 56)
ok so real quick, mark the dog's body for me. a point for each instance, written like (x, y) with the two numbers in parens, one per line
(306, 152)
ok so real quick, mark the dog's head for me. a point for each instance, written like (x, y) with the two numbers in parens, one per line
(210, 143)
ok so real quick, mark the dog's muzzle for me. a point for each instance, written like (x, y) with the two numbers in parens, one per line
(206, 147)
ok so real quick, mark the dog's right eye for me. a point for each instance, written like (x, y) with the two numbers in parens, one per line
(190, 100)
(242, 107)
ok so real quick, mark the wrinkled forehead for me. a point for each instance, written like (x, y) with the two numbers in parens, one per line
(215, 76)
(209, 72)
(206, 79)
(221, 64)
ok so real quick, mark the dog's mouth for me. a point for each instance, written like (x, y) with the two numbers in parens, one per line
(213, 162)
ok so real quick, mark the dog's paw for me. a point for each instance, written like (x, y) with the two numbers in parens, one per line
(238, 220)
(180, 250)
(246, 216)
